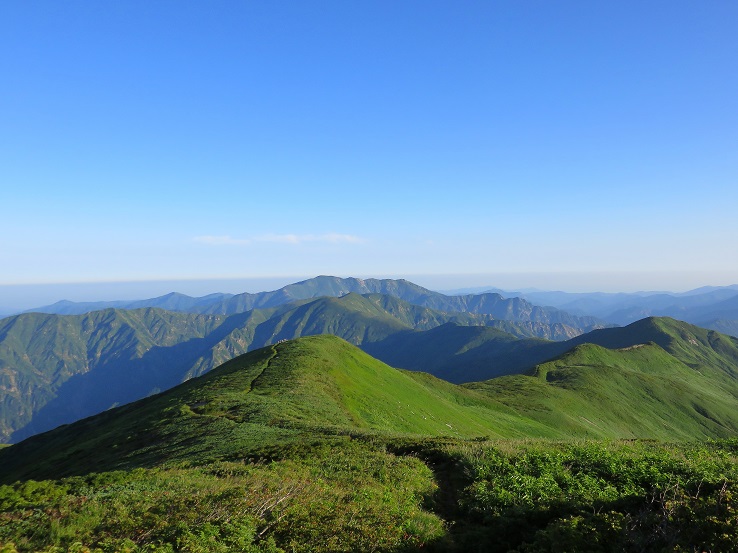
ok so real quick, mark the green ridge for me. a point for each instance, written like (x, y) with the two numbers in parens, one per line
(323, 384)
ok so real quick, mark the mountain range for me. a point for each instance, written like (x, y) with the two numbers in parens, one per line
(681, 384)
(514, 309)
(714, 307)
(55, 369)
(617, 439)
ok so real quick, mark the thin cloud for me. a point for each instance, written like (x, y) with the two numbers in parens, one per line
(221, 240)
(331, 238)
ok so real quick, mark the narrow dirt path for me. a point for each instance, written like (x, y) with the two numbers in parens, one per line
(266, 367)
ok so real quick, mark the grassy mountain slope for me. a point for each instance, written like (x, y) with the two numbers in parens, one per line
(638, 392)
(312, 445)
(350, 317)
(460, 353)
(467, 354)
(322, 384)
(699, 348)
(57, 369)
(274, 395)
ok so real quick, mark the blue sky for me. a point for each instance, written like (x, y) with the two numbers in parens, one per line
(144, 141)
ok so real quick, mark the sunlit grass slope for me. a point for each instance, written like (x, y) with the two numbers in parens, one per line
(639, 392)
(311, 386)
(322, 386)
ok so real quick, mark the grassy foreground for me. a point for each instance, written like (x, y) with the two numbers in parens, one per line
(345, 494)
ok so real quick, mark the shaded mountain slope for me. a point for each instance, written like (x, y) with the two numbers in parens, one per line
(372, 317)
(56, 369)
(697, 347)
(460, 354)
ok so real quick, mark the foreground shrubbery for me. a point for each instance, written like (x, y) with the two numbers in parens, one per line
(335, 499)
(394, 496)
(626, 496)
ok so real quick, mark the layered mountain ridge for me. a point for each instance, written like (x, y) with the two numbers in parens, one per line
(514, 309)
(56, 369)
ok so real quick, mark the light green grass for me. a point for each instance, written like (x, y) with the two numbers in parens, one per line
(321, 386)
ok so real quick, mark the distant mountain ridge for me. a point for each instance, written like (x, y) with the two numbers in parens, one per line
(714, 307)
(514, 309)
(79, 365)
(227, 304)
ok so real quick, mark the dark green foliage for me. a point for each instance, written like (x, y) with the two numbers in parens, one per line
(276, 395)
(342, 498)
(639, 392)
(390, 494)
(94, 361)
(594, 496)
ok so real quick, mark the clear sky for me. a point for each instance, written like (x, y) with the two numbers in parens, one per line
(239, 139)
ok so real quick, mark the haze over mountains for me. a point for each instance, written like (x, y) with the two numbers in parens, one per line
(491, 303)
(710, 306)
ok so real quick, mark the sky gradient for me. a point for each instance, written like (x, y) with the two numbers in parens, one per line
(167, 140)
